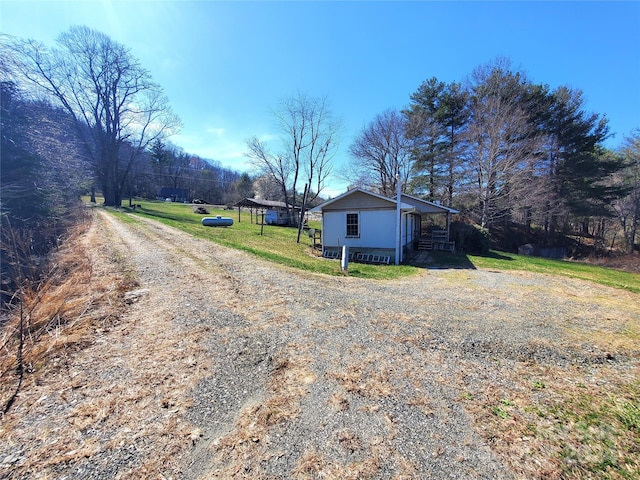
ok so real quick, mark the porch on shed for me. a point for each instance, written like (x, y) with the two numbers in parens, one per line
(433, 229)
(437, 240)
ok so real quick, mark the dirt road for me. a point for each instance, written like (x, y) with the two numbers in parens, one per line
(225, 366)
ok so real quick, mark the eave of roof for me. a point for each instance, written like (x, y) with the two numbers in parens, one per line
(430, 204)
(405, 207)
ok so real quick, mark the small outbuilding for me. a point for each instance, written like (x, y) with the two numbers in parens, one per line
(378, 230)
(274, 212)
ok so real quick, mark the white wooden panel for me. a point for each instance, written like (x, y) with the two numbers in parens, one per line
(377, 229)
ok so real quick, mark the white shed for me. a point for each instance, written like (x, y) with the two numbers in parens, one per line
(368, 224)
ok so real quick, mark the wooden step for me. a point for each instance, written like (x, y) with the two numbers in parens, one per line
(425, 245)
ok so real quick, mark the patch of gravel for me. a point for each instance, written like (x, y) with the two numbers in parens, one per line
(314, 376)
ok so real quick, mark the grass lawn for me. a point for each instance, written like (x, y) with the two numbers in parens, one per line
(604, 276)
(278, 244)
(273, 243)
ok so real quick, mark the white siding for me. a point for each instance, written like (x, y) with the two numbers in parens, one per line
(377, 229)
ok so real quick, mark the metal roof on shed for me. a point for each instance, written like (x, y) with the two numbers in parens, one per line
(257, 203)
(425, 206)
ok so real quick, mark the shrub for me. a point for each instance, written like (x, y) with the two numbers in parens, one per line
(471, 238)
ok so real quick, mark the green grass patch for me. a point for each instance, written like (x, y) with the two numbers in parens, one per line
(122, 214)
(499, 412)
(278, 244)
(598, 434)
(604, 276)
(273, 243)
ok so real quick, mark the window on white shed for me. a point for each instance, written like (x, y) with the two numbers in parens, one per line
(353, 225)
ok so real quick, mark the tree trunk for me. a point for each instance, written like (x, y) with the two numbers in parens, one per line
(304, 204)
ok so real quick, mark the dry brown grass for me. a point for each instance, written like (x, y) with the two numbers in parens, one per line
(563, 422)
(366, 377)
(97, 386)
(62, 313)
(338, 402)
(629, 262)
(369, 458)
(313, 465)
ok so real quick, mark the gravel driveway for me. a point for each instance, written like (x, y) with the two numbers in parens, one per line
(296, 375)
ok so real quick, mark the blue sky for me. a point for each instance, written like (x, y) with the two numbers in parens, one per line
(225, 65)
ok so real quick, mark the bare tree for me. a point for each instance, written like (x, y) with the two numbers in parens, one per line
(111, 98)
(267, 188)
(382, 151)
(500, 138)
(276, 167)
(628, 207)
(309, 143)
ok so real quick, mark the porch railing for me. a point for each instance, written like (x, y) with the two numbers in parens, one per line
(438, 240)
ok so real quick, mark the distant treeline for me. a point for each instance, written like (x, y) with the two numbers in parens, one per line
(44, 172)
(84, 116)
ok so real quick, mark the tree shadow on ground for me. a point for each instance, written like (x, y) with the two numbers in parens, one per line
(445, 260)
(438, 260)
(496, 255)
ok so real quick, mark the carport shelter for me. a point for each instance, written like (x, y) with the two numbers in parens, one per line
(274, 212)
